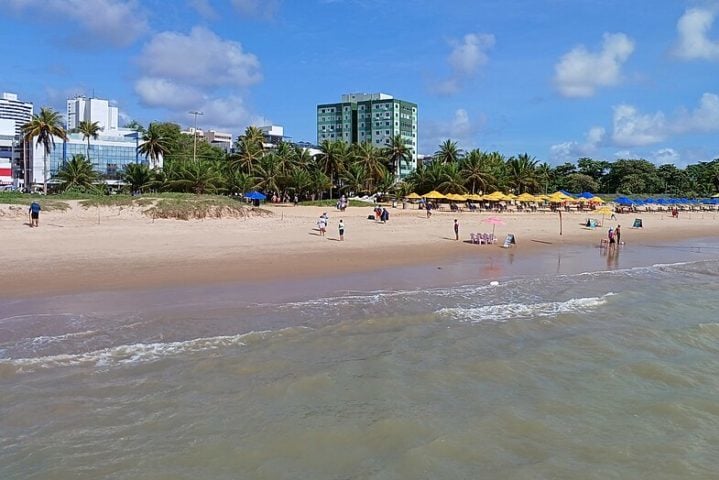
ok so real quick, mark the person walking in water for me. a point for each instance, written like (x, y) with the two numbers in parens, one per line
(34, 214)
(341, 227)
(456, 229)
(618, 234)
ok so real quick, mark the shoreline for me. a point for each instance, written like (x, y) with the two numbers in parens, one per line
(72, 253)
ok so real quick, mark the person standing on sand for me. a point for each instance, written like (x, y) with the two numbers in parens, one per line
(428, 207)
(322, 225)
(341, 227)
(618, 234)
(456, 229)
(34, 211)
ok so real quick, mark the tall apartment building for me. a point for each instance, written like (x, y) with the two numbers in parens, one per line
(80, 109)
(14, 114)
(13, 109)
(370, 117)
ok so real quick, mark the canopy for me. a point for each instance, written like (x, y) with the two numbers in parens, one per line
(255, 196)
(474, 196)
(585, 195)
(624, 201)
(526, 197)
(596, 200)
(434, 194)
(561, 194)
(496, 196)
(413, 196)
(456, 197)
(605, 211)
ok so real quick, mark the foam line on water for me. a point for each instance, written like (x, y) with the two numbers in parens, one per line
(138, 353)
(508, 311)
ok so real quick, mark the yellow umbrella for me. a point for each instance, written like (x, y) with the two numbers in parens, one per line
(413, 196)
(475, 197)
(434, 195)
(457, 197)
(526, 197)
(596, 200)
(495, 196)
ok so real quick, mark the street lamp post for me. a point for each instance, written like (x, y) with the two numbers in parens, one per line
(194, 134)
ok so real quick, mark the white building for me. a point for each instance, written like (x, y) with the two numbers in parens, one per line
(109, 153)
(13, 109)
(14, 114)
(80, 109)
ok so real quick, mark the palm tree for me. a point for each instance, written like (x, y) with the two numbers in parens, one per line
(268, 174)
(45, 126)
(77, 173)
(154, 145)
(473, 169)
(89, 130)
(521, 173)
(250, 153)
(354, 179)
(369, 157)
(139, 177)
(396, 153)
(448, 152)
(451, 179)
(253, 136)
(332, 159)
(198, 177)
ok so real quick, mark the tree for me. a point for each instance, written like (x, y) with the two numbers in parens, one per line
(77, 173)
(154, 144)
(594, 168)
(139, 177)
(578, 182)
(134, 125)
(369, 157)
(44, 126)
(521, 173)
(644, 177)
(451, 179)
(353, 179)
(89, 130)
(198, 177)
(448, 152)
(333, 159)
(397, 152)
(268, 174)
(474, 171)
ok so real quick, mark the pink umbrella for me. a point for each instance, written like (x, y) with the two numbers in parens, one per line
(494, 221)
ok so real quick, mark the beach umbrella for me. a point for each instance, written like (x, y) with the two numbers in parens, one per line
(413, 196)
(456, 197)
(494, 221)
(624, 201)
(604, 211)
(255, 196)
(526, 197)
(596, 200)
(434, 195)
(474, 196)
(585, 195)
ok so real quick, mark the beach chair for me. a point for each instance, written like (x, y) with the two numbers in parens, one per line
(473, 238)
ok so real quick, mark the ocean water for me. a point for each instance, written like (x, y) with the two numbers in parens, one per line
(561, 374)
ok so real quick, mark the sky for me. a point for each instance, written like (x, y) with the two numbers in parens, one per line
(557, 79)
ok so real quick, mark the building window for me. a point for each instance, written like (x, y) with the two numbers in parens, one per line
(386, 132)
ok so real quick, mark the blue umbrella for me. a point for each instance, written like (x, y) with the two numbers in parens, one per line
(585, 195)
(255, 196)
(624, 201)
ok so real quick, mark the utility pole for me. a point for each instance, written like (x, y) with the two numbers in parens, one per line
(194, 148)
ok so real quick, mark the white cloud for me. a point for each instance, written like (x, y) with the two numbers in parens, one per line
(704, 118)
(626, 155)
(580, 72)
(666, 155)
(459, 128)
(465, 59)
(161, 92)
(570, 151)
(694, 42)
(470, 54)
(117, 22)
(198, 71)
(200, 58)
(204, 8)
(633, 129)
(264, 9)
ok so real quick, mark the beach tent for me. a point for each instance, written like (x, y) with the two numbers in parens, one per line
(624, 201)
(255, 196)
(586, 195)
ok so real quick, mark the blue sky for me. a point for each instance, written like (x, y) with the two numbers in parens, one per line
(558, 79)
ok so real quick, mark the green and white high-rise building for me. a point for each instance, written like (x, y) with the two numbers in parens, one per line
(370, 117)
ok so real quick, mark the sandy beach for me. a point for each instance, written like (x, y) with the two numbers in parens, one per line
(91, 249)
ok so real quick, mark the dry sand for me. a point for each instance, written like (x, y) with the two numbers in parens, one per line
(120, 248)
